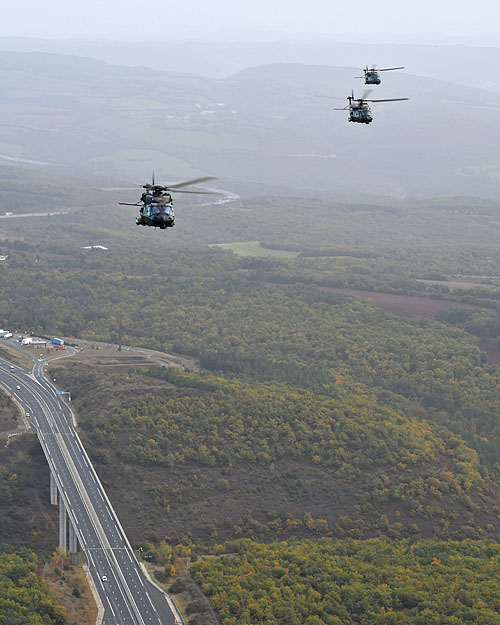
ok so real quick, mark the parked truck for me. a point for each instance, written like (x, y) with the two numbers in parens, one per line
(27, 340)
(58, 342)
(7, 335)
(3, 333)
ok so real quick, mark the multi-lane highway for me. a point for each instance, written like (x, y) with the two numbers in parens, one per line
(127, 597)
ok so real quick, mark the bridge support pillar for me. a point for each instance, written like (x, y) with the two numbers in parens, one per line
(72, 540)
(53, 490)
(63, 526)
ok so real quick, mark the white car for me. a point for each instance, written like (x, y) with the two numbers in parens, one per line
(104, 578)
(18, 387)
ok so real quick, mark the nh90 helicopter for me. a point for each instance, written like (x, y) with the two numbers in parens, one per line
(371, 74)
(359, 109)
(156, 203)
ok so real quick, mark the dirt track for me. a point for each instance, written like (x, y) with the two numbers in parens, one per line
(404, 305)
(418, 307)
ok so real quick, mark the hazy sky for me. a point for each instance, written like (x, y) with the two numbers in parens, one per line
(160, 19)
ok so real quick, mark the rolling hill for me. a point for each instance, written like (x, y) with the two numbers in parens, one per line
(264, 129)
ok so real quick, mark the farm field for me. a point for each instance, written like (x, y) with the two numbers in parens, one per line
(254, 248)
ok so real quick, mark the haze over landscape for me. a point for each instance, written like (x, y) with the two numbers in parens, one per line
(291, 397)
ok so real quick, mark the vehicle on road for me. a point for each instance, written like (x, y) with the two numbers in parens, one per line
(18, 387)
(104, 578)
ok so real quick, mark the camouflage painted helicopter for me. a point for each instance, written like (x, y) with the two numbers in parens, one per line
(371, 74)
(359, 109)
(156, 203)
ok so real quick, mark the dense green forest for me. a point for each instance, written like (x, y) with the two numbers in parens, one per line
(223, 457)
(24, 596)
(313, 415)
(328, 582)
(241, 326)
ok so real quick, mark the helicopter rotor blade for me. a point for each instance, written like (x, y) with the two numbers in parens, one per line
(194, 192)
(187, 183)
(328, 97)
(117, 189)
(365, 94)
(389, 100)
(374, 66)
(130, 203)
(348, 67)
(389, 69)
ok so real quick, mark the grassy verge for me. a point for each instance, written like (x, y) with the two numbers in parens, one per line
(16, 357)
(70, 588)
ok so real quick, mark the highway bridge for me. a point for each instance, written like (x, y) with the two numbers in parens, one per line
(86, 516)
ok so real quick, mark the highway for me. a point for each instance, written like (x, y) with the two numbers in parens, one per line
(127, 596)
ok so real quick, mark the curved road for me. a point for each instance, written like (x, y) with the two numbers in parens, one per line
(128, 598)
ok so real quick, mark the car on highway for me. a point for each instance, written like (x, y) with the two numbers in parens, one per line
(104, 578)
(18, 387)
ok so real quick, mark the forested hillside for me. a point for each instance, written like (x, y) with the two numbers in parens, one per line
(218, 458)
(264, 128)
(310, 416)
(25, 597)
(334, 583)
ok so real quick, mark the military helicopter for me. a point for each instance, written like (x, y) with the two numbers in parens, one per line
(359, 109)
(156, 203)
(371, 74)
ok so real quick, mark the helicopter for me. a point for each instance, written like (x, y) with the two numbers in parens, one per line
(371, 74)
(156, 203)
(359, 109)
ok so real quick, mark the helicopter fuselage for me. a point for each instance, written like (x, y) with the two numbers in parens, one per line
(359, 111)
(156, 211)
(372, 78)
(361, 116)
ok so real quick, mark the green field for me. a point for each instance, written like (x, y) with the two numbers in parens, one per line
(254, 248)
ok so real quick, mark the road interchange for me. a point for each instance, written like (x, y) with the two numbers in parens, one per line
(127, 596)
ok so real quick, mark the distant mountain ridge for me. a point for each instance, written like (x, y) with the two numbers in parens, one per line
(474, 66)
(263, 128)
